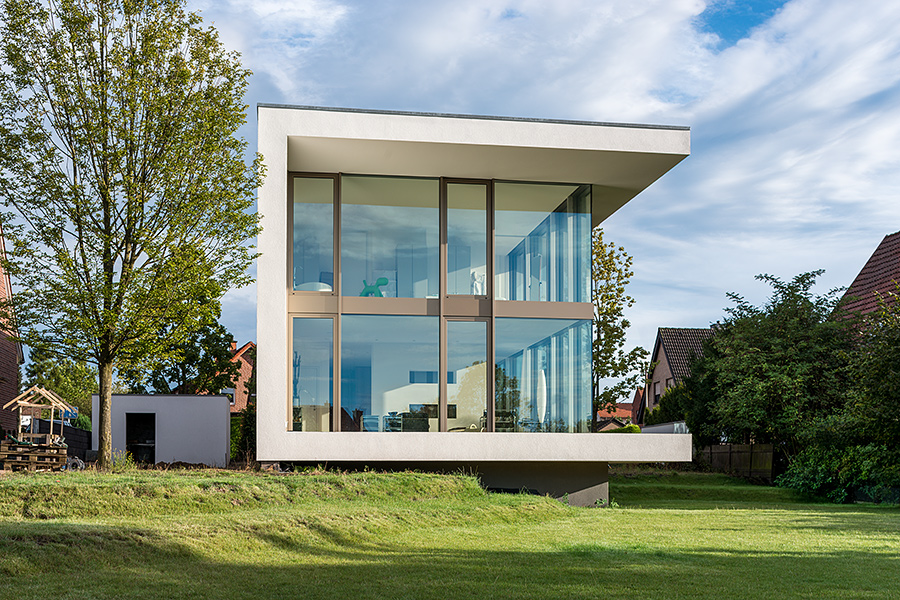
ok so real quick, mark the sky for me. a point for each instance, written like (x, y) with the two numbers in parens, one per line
(794, 109)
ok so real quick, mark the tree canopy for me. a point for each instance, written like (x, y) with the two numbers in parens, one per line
(74, 381)
(803, 374)
(769, 369)
(128, 200)
(202, 365)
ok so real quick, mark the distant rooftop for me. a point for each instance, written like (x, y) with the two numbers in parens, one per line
(878, 276)
(682, 345)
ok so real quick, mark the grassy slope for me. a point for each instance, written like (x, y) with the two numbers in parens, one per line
(365, 535)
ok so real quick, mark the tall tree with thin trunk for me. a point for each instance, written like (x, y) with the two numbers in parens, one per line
(610, 273)
(128, 201)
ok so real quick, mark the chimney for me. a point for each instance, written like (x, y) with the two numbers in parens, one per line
(233, 347)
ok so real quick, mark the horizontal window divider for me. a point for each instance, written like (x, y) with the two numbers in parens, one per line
(391, 306)
(313, 303)
(461, 306)
(544, 310)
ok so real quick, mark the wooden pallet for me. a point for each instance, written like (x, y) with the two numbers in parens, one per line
(18, 457)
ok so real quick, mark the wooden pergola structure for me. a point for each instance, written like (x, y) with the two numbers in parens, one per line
(40, 398)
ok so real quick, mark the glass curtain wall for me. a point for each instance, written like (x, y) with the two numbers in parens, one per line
(467, 376)
(542, 242)
(389, 237)
(390, 247)
(312, 374)
(467, 239)
(543, 375)
(313, 254)
(389, 373)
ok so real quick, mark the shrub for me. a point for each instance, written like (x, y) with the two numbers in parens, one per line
(122, 461)
(631, 428)
(82, 421)
(844, 474)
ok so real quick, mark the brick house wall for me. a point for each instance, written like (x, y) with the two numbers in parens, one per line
(245, 369)
(10, 359)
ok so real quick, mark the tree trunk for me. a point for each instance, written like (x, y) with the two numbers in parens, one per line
(104, 450)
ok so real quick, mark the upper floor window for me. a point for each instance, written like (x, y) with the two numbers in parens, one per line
(467, 239)
(542, 242)
(313, 232)
(390, 237)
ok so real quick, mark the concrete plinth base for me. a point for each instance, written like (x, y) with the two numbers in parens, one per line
(579, 483)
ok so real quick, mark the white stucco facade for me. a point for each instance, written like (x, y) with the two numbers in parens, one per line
(617, 161)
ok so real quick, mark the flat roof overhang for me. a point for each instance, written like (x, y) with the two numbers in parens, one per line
(618, 160)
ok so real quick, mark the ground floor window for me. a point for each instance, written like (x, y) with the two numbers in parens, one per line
(390, 374)
(312, 373)
(543, 375)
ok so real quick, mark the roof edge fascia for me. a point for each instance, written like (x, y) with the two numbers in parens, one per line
(400, 113)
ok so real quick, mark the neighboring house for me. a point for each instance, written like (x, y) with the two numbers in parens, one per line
(674, 351)
(610, 423)
(878, 277)
(423, 292)
(11, 356)
(637, 403)
(243, 356)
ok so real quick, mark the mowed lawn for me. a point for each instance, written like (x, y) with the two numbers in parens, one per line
(230, 534)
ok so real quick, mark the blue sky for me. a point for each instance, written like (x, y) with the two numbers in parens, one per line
(794, 109)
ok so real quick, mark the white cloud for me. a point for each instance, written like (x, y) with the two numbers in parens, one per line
(276, 37)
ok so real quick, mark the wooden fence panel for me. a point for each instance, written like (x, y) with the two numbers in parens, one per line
(745, 460)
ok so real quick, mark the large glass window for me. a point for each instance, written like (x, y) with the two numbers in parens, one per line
(312, 374)
(466, 239)
(542, 242)
(467, 377)
(389, 237)
(543, 375)
(389, 373)
(313, 256)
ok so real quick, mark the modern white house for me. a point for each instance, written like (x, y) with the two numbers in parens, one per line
(424, 292)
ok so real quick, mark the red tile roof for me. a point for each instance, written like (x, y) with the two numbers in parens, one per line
(621, 411)
(878, 276)
(241, 356)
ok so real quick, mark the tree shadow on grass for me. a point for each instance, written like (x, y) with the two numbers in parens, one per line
(71, 561)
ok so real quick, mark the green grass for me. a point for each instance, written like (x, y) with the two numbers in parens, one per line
(226, 534)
